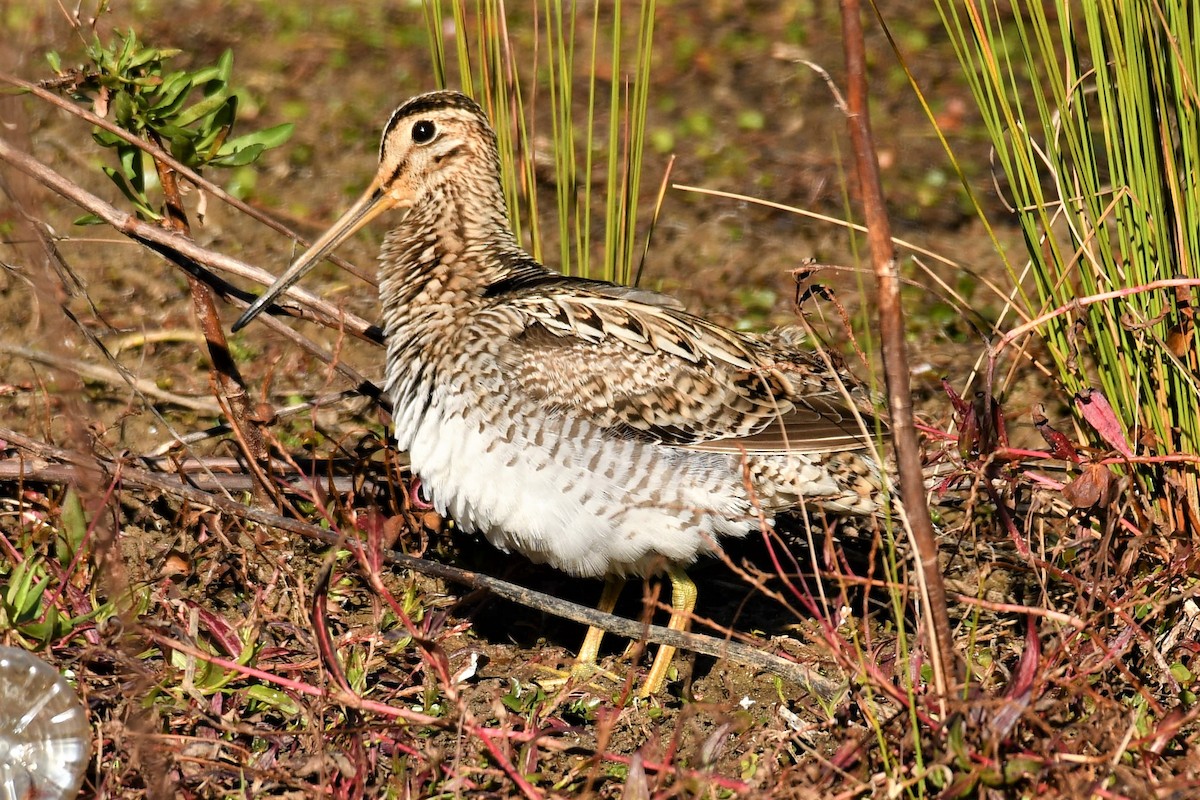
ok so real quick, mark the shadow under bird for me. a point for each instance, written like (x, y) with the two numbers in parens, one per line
(597, 428)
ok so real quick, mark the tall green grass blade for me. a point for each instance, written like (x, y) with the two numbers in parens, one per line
(611, 134)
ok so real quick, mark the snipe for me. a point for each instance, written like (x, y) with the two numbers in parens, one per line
(597, 428)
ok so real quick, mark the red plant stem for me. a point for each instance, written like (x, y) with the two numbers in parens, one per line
(326, 648)
(525, 786)
(841, 649)
(299, 687)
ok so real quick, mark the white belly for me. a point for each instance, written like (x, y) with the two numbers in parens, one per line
(561, 494)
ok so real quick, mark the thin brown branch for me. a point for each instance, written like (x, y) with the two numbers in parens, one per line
(227, 382)
(231, 482)
(95, 372)
(197, 260)
(161, 155)
(895, 359)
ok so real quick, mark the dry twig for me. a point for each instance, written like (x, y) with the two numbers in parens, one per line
(895, 359)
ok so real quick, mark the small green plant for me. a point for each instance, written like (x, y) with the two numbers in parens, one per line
(582, 709)
(31, 602)
(22, 606)
(131, 82)
(524, 699)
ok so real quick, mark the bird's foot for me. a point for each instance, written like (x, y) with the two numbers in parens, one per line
(579, 674)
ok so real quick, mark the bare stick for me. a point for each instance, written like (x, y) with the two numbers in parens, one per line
(895, 360)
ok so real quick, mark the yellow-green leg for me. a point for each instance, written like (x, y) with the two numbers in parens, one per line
(613, 585)
(683, 601)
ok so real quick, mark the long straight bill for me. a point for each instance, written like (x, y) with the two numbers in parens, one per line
(373, 202)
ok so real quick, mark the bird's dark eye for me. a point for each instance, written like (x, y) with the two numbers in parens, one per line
(423, 131)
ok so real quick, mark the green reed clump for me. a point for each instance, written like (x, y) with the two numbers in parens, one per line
(594, 141)
(1094, 114)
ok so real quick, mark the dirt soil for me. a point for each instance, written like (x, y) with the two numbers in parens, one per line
(733, 101)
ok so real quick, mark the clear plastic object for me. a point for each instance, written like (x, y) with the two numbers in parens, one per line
(44, 735)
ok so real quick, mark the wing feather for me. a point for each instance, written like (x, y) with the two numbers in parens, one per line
(650, 369)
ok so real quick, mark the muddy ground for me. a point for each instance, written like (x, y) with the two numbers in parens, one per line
(733, 103)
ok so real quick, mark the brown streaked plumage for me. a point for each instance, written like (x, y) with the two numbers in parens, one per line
(597, 428)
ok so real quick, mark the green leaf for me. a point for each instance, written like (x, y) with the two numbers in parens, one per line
(88, 219)
(226, 115)
(205, 75)
(130, 163)
(18, 584)
(183, 150)
(123, 58)
(172, 94)
(146, 82)
(134, 164)
(203, 108)
(225, 66)
(93, 49)
(151, 55)
(1021, 767)
(122, 184)
(216, 129)
(273, 698)
(47, 630)
(106, 138)
(124, 109)
(170, 131)
(29, 599)
(140, 202)
(240, 158)
(268, 137)
(55, 62)
(74, 526)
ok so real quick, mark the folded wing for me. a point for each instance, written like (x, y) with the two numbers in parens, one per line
(647, 369)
